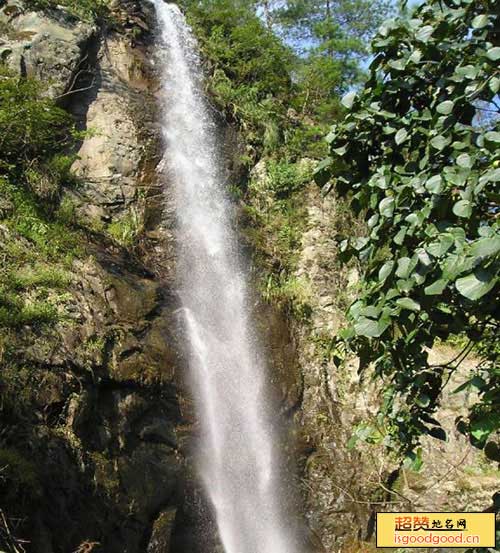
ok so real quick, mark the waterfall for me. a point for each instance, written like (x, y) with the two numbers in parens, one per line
(237, 457)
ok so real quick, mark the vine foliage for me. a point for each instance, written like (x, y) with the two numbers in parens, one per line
(418, 157)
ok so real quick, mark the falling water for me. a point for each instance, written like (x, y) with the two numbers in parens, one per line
(237, 456)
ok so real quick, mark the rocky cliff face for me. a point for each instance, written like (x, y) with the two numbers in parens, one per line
(344, 482)
(52, 49)
(103, 436)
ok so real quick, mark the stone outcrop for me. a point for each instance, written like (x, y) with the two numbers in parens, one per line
(117, 114)
(52, 49)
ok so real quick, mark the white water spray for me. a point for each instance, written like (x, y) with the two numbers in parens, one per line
(237, 457)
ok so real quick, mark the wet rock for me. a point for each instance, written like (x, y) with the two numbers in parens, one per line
(285, 378)
(161, 536)
(148, 478)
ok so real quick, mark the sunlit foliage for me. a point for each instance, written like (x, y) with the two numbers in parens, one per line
(422, 167)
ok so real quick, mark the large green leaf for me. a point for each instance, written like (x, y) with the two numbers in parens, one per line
(436, 288)
(438, 433)
(482, 427)
(386, 207)
(464, 160)
(492, 136)
(405, 266)
(408, 303)
(486, 246)
(475, 382)
(446, 107)
(385, 270)
(435, 184)
(463, 208)
(494, 53)
(476, 285)
(401, 136)
(400, 236)
(424, 33)
(492, 451)
(467, 71)
(480, 21)
(323, 164)
(348, 100)
(441, 246)
(455, 265)
(440, 142)
(370, 328)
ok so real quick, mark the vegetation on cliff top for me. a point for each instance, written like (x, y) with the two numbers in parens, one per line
(418, 157)
(283, 93)
(331, 40)
(87, 10)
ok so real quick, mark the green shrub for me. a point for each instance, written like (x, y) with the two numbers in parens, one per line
(32, 128)
(87, 10)
(46, 276)
(66, 212)
(126, 230)
(15, 314)
(305, 140)
(288, 291)
(53, 239)
(276, 210)
(26, 295)
(286, 178)
(34, 249)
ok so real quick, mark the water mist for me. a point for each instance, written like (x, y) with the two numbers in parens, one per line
(238, 457)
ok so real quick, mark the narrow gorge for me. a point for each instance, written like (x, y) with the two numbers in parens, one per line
(171, 290)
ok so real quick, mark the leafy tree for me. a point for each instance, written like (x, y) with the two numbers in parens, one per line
(250, 66)
(31, 127)
(333, 39)
(422, 167)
